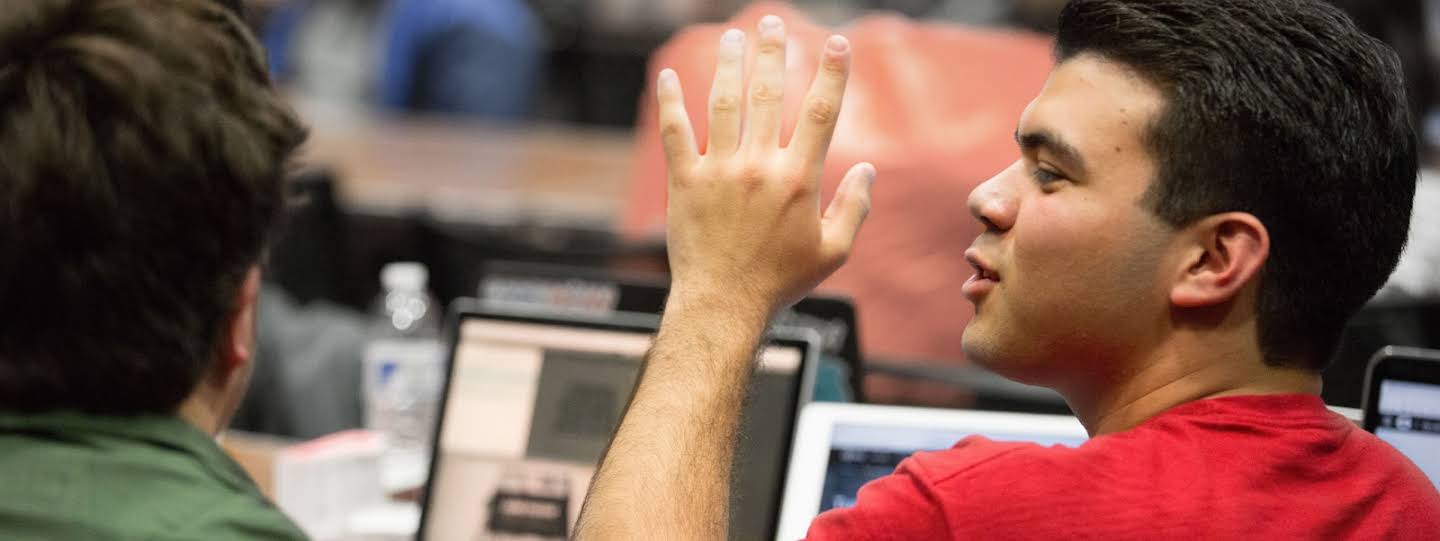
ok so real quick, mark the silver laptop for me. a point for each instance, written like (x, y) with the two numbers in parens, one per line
(532, 400)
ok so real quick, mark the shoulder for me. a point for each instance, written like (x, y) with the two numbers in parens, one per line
(1377, 462)
(236, 516)
(200, 495)
(980, 475)
(141, 479)
(943, 494)
(981, 485)
(977, 458)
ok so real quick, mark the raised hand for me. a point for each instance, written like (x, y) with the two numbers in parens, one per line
(744, 220)
(746, 236)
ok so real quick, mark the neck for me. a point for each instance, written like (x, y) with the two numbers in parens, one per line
(200, 409)
(1177, 375)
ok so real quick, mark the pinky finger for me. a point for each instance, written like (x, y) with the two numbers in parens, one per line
(676, 135)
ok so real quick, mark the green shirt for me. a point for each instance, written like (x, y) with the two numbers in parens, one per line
(75, 476)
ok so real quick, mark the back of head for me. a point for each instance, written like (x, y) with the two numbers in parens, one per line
(1285, 110)
(141, 159)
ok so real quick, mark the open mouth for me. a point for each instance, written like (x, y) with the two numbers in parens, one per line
(982, 271)
(985, 278)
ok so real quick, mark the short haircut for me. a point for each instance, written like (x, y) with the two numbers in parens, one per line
(1285, 110)
(142, 151)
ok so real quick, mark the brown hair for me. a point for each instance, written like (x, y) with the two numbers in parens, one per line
(142, 151)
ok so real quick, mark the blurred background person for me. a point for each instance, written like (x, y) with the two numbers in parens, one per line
(446, 56)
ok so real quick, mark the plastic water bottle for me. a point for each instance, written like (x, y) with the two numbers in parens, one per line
(403, 366)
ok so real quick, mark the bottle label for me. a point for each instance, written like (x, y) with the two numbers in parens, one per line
(402, 386)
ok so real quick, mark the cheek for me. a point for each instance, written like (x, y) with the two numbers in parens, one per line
(1080, 269)
(1058, 240)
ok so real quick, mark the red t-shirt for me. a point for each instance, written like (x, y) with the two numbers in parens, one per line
(1246, 467)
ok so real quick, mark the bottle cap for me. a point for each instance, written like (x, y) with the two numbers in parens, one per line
(405, 275)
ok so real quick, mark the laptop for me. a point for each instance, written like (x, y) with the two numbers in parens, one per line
(532, 399)
(839, 447)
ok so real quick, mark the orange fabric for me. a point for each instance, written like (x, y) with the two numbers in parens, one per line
(933, 106)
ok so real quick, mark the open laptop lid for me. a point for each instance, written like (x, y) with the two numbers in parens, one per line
(597, 292)
(839, 447)
(532, 398)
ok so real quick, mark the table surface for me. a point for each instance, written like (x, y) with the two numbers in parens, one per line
(471, 171)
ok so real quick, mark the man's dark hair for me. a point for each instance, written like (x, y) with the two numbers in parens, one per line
(234, 7)
(1285, 110)
(142, 151)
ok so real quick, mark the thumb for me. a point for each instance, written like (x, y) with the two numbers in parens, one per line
(841, 221)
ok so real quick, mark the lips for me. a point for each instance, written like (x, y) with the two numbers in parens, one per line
(984, 278)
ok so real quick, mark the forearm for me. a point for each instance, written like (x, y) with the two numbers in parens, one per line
(666, 474)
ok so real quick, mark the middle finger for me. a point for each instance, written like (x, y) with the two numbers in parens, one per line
(767, 83)
(725, 95)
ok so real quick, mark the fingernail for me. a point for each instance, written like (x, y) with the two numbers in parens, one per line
(667, 76)
(869, 173)
(732, 36)
(837, 44)
(770, 25)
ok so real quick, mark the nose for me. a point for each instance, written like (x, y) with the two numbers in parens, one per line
(993, 202)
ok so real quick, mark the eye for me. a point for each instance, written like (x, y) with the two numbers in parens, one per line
(1046, 177)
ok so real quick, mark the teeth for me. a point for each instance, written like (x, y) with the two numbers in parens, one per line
(981, 273)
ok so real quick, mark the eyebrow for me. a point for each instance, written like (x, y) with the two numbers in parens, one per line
(1044, 140)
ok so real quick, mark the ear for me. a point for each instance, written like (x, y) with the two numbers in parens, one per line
(237, 349)
(1225, 253)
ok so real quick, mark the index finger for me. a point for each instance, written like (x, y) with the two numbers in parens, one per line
(676, 136)
(821, 109)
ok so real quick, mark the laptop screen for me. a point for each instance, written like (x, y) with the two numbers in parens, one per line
(1409, 419)
(530, 407)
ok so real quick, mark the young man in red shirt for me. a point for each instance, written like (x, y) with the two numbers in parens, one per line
(1208, 190)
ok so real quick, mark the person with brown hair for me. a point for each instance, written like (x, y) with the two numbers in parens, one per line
(142, 151)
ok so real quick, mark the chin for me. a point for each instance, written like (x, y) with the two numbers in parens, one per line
(991, 354)
(980, 350)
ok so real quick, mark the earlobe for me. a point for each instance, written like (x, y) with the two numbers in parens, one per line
(1228, 252)
(241, 336)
